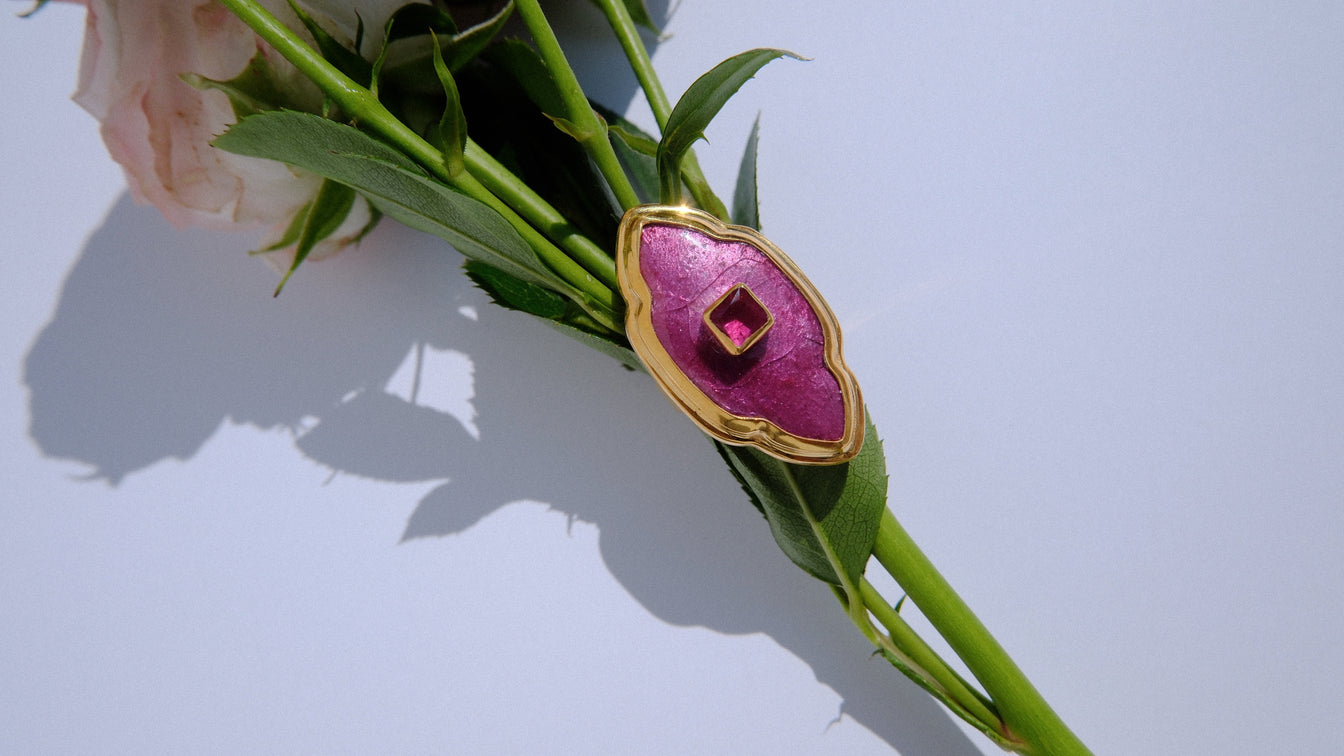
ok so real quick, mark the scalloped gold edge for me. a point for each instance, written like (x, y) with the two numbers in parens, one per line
(732, 429)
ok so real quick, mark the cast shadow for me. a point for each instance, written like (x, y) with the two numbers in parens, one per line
(160, 336)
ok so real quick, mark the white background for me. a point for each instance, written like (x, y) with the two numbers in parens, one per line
(1089, 263)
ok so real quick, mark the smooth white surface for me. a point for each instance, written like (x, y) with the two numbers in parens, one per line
(1090, 268)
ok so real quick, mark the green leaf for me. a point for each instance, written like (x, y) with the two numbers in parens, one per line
(633, 138)
(418, 19)
(746, 210)
(415, 24)
(472, 227)
(612, 346)
(375, 217)
(507, 123)
(252, 91)
(637, 152)
(291, 235)
(640, 168)
(380, 60)
(451, 132)
(319, 220)
(698, 106)
(461, 48)
(347, 61)
(824, 517)
(359, 32)
(393, 184)
(728, 456)
(525, 66)
(516, 294)
(569, 128)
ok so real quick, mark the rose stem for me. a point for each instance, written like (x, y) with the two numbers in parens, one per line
(931, 671)
(584, 124)
(618, 15)
(508, 187)
(1026, 715)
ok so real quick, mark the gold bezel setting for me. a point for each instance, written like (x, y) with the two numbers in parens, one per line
(723, 425)
(724, 338)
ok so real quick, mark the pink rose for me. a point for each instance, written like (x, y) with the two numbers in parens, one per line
(159, 128)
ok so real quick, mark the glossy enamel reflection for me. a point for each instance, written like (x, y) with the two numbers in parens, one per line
(737, 336)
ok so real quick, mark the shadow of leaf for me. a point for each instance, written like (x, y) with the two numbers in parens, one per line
(355, 435)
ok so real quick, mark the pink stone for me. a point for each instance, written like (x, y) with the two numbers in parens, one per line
(739, 316)
(783, 378)
(738, 331)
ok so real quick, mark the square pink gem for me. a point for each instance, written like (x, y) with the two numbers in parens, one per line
(739, 317)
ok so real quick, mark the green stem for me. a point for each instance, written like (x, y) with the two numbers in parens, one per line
(928, 668)
(360, 103)
(627, 33)
(1029, 722)
(584, 124)
(608, 304)
(508, 187)
(344, 91)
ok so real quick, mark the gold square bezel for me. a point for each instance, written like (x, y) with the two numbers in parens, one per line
(725, 340)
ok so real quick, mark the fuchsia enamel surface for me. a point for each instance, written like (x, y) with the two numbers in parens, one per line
(783, 378)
